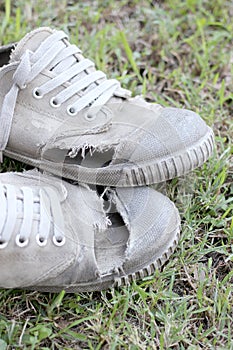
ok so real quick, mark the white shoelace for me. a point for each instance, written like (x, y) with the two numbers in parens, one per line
(94, 89)
(49, 216)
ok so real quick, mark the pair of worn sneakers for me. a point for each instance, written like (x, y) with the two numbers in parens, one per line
(86, 219)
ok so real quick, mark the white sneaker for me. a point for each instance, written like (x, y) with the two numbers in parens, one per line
(55, 235)
(59, 114)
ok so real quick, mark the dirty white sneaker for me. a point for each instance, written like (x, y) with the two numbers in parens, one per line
(55, 235)
(58, 113)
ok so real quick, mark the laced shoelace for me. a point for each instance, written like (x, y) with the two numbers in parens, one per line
(49, 216)
(51, 54)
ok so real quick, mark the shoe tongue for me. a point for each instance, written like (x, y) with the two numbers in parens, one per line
(31, 42)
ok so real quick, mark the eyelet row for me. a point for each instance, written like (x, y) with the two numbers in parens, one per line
(55, 104)
(72, 112)
(41, 241)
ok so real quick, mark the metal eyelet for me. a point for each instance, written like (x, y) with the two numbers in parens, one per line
(37, 94)
(71, 111)
(59, 241)
(41, 241)
(3, 244)
(21, 242)
(54, 102)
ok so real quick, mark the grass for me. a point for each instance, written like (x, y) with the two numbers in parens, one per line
(177, 53)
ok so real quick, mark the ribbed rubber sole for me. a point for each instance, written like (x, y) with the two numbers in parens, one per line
(126, 175)
(149, 269)
(171, 167)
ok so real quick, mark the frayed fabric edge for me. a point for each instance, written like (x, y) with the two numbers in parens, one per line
(122, 210)
(90, 148)
(104, 222)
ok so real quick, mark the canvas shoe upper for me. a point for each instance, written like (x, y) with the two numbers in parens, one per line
(59, 113)
(55, 235)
